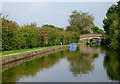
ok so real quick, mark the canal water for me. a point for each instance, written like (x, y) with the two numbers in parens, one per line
(85, 64)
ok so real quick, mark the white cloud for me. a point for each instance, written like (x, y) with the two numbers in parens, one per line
(60, 0)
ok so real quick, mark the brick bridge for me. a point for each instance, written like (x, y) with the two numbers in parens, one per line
(88, 37)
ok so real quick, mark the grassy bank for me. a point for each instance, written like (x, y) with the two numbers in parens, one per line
(6, 54)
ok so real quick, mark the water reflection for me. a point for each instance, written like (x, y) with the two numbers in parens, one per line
(112, 65)
(31, 68)
(81, 62)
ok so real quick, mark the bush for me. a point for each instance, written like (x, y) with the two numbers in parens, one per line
(30, 36)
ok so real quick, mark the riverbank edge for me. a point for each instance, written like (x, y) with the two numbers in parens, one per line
(11, 59)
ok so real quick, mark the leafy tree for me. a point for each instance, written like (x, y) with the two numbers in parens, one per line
(30, 36)
(96, 30)
(112, 28)
(72, 28)
(9, 34)
(111, 15)
(83, 21)
(52, 26)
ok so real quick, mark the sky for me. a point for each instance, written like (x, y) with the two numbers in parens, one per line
(54, 13)
(59, 0)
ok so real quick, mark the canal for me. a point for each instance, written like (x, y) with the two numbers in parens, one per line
(85, 64)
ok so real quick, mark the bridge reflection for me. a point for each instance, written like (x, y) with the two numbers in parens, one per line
(90, 50)
(80, 62)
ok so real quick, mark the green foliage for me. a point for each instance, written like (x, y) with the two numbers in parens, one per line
(15, 37)
(96, 30)
(83, 21)
(52, 26)
(9, 34)
(72, 28)
(112, 28)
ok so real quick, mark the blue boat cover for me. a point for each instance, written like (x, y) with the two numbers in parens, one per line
(72, 47)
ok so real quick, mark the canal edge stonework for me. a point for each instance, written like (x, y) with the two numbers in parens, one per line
(11, 59)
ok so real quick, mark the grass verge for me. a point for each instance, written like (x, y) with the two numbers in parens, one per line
(23, 51)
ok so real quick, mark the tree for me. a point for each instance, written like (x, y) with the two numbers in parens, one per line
(111, 16)
(112, 27)
(83, 21)
(9, 34)
(30, 36)
(52, 26)
(72, 28)
(119, 12)
(96, 30)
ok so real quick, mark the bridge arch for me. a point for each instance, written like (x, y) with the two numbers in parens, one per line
(88, 37)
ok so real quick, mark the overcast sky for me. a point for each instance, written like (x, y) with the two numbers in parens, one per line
(59, 0)
(55, 13)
